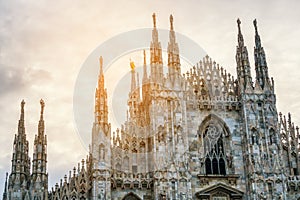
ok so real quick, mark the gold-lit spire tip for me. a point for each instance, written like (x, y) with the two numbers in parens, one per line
(132, 65)
(101, 61)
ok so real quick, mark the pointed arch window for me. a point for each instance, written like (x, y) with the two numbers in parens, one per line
(214, 150)
(126, 163)
(272, 136)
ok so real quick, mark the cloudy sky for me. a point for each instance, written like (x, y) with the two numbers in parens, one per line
(43, 45)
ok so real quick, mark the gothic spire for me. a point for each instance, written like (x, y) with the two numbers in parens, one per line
(171, 22)
(243, 65)
(39, 177)
(101, 108)
(154, 31)
(173, 53)
(154, 20)
(257, 37)
(21, 126)
(101, 75)
(240, 36)
(261, 68)
(41, 122)
(20, 170)
(156, 55)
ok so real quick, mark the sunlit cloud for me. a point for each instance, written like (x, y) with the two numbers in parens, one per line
(43, 45)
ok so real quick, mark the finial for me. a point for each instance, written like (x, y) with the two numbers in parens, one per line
(154, 20)
(22, 104)
(132, 65)
(144, 56)
(22, 110)
(171, 22)
(239, 24)
(255, 25)
(101, 64)
(42, 106)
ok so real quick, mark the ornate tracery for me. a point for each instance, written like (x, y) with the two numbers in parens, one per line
(214, 150)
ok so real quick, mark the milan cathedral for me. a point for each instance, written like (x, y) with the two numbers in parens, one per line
(202, 134)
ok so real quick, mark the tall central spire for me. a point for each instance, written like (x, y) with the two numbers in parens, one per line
(101, 108)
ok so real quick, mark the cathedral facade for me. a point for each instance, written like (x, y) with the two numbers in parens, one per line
(197, 135)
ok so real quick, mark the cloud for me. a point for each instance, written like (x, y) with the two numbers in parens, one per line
(44, 43)
(11, 79)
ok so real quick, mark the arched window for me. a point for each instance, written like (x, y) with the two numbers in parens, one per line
(214, 150)
(272, 136)
(126, 163)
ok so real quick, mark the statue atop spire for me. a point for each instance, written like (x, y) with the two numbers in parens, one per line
(22, 109)
(240, 36)
(101, 64)
(41, 122)
(255, 25)
(133, 82)
(21, 125)
(239, 24)
(154, 20)
(42, 107)
(171, 22)
(132, 66)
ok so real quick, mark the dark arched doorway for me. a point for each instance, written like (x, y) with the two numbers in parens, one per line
(131, 196)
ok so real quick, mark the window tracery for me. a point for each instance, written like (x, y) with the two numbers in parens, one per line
(215, 155)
